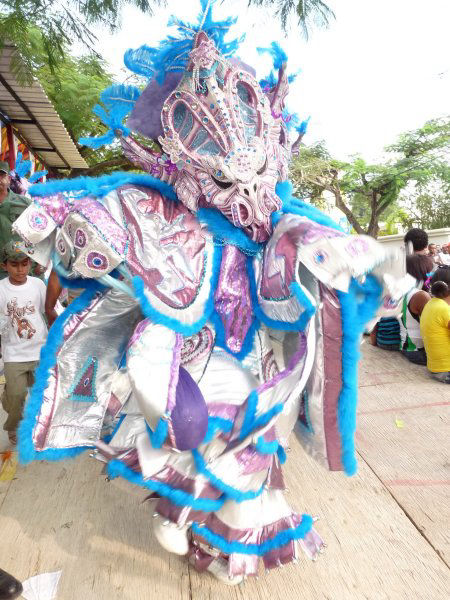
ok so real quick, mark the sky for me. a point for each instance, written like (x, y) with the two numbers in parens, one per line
(381, 68)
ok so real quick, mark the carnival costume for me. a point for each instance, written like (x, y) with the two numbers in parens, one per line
(194, 274)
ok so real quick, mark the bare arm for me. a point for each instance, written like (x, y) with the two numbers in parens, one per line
(54, 289)
(418, 302)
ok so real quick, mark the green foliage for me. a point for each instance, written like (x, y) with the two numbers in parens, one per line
(74, 89)
(60, 23)
(309, 13)
(429, 210)
(363, 191)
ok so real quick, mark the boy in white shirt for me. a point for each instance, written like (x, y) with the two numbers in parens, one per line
(23, 331)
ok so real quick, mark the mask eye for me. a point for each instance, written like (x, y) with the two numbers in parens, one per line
(263, 168)
(224, 185)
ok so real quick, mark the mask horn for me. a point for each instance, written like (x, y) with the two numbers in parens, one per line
(149, 160)
(280, 91)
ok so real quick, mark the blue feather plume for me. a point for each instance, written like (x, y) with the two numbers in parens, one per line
(303, 126)
(270, 81)
(140, 61)
(277, 53)
(37, 175)
(22, 166)
(172, 54)
(119, 99)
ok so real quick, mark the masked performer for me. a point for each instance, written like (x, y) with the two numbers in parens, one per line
(195, 273)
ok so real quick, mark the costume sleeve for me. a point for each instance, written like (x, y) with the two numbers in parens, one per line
(303, 254)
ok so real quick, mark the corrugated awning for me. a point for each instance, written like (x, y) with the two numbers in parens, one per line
(30, 111)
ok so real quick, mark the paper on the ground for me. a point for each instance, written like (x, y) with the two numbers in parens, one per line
(400, 424)
(41, 587)
(8, 465)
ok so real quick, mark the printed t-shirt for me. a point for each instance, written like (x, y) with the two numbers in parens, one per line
(22, 323)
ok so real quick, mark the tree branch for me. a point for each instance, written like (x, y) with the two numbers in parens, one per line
(345, 209)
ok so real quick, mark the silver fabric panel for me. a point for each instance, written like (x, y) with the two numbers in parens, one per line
(314, 443)
(103, 334)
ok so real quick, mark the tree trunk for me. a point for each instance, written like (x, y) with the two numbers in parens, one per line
(345, 209)
(373, 227)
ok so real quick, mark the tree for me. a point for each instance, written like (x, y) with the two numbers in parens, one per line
(74, 91)
(362, 191)
(429, 210)
(61, 22)
(310, 13)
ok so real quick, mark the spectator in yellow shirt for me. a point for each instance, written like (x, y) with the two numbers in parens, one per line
(435, 326)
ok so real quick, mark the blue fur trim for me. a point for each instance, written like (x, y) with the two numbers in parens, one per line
(299, 324)
(169, 322)
(100, 186)
(217, 424)
(116, 468)
(279, 540)
(266, 447)
(267, 416)
(251, 421)
(158, 437)
(228, 490)
(292, 205)
(221, 341)
(281, 454)
(27, 452)
(358, 306)
(226, 232)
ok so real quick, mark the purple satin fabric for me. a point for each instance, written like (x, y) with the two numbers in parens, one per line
(240, 564)
(232, 298)
(332, 348)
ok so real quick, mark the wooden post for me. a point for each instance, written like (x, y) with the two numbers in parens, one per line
(12, 150)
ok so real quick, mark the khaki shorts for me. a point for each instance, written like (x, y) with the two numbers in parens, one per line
(19, 377)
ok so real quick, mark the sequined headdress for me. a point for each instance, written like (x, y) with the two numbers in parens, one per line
(223, 137)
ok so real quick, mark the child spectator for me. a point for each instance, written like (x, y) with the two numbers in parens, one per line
(23, 331)
(412, 306)
(435, 326)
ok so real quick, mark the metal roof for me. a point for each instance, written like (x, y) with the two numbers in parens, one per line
(30, 111)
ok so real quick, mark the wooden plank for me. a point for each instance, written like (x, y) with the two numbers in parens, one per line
(374, 552)
(397, 396)
(412, 461)
(379, 367)
(66, 516)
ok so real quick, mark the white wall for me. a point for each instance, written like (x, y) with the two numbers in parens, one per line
(435, 236)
